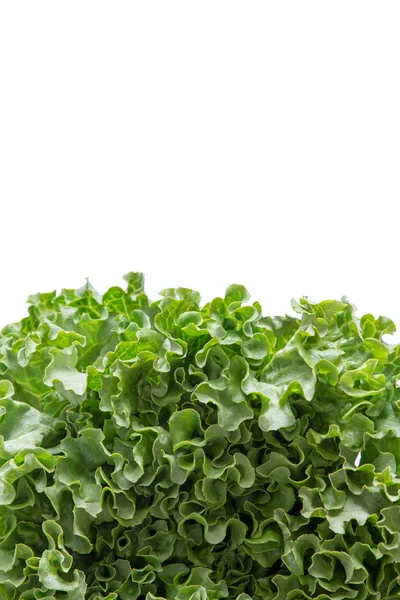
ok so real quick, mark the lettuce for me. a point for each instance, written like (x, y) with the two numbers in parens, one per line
(173, 450)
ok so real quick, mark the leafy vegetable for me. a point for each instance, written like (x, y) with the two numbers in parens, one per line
(172, 450)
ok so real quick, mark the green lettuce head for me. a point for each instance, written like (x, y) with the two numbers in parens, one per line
(179, 451)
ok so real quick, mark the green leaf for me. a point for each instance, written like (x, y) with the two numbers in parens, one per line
(21, 428)
(135, 282)
(62, 367)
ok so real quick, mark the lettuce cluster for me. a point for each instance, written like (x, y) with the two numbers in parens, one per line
(169, 450)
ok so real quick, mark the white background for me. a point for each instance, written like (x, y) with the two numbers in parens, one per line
(204, 143)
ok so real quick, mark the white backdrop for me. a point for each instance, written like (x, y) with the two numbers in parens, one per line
(204, 143)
